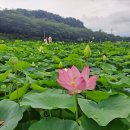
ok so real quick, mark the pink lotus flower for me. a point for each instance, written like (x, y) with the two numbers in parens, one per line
(74, 81)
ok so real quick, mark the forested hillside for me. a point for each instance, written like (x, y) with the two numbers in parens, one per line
(22, 23)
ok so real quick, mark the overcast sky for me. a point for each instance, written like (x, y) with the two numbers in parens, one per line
(106, 15)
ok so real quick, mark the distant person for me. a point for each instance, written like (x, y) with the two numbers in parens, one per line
(50, 39)
(45, 40)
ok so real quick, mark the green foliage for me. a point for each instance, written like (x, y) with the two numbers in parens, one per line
(3, 76)
(18, 93)
(37, 87)
(22, 65)
(106, 110)
(54, 124)
(99, 95)
(40, 101)
(10, 114)
(87, 123)
(47, 100)
(3, 47)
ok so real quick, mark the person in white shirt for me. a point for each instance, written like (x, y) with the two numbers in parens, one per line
(45, 40)
(50, 39)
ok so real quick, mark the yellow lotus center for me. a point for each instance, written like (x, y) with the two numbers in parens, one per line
(72, 83)
(65, 69)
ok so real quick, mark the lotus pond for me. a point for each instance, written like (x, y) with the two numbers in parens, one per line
(32, 99)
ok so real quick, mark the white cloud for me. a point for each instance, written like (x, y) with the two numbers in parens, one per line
(118, 22)
(74, 8)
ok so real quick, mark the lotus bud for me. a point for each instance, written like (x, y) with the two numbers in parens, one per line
(87, 51)
(33, 64)
(13, 60)
(60, 65)
(104, 58)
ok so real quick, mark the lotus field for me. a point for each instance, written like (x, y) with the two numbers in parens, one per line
(64, 86)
